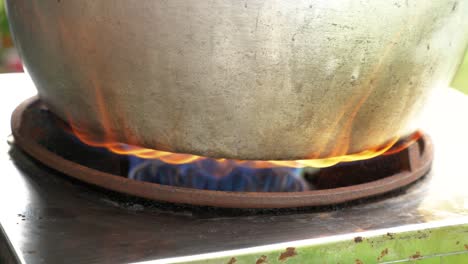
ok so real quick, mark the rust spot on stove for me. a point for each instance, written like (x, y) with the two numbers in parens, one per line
(289, 253)
(232, 261)
(416, 255)
(466, 246)
(358, 239)
(383, 254)
(262, 260)
(358, 261)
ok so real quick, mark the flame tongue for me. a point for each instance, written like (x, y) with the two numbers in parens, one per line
(191, 171)
(178, 159)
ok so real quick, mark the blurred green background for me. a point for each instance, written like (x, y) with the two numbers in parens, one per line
(461, 79)
(9, 60)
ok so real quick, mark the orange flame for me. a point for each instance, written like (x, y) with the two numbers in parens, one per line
(405, 143)
(177, 158)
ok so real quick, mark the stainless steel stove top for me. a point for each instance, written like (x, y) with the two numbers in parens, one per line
(47, 218)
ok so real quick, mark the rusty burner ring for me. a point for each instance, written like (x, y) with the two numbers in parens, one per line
(33, 128)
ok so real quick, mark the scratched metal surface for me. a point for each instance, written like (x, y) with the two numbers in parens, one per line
(48, 218)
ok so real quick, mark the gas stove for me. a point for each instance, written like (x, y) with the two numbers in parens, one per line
(48, 217)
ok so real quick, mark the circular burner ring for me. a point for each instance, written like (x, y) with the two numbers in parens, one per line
(413, 162)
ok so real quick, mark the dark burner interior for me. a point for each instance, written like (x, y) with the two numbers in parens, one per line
(49, 140)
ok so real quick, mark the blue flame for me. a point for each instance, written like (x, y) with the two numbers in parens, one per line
(208, 174)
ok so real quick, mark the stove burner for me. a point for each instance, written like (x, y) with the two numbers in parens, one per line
(44, 137)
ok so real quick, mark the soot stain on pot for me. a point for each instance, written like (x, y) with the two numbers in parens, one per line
(298, 88)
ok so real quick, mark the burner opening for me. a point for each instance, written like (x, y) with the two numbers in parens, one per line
(224, 175)
(240, 184)
(209, 174)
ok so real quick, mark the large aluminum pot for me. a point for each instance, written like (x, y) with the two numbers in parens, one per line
(250, 79)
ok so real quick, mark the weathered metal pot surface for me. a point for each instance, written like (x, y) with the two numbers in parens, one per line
(254, 79)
